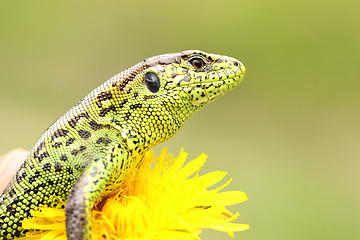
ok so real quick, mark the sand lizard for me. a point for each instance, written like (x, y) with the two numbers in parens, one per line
(86, 153)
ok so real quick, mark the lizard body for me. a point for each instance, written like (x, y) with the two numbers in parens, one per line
(88, 151)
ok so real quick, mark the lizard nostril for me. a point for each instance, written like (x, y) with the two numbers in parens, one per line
(236, 63)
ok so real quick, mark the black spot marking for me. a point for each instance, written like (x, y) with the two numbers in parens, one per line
(11, 210)
(41, 146)
(63, 158)
(43, 155)
(103, 96)
(18, 177)
(72, 122)
(102, 140)
(47, 167)
(129, 91)
(12, 192)
(58, 167)
(99, 104)
(150, 97)
(17, 233)
(122, 164)
(69, 141)
(59, 133)
(31, 179)
(69, 170)
(126, 80)
(208, 86)
(127, 116)
(136, 94)
(96, 126)
(83, 166)
(57, 145)
(105, 111)
(84, 134)
(77, 151)
(36, 152)
(123, 103)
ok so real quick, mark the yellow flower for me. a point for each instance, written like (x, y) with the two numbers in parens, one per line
(166, 201)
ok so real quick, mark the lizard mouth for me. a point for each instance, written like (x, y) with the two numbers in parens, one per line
(215, 85)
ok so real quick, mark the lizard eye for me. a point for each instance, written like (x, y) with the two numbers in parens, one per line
(152, 82)
(197, 63)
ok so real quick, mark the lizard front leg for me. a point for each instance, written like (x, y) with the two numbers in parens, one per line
(89, 187)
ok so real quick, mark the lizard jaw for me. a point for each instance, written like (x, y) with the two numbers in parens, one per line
(215, 84)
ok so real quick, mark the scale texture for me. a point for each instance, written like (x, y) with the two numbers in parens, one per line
(89, 151)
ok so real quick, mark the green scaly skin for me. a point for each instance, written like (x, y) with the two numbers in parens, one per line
(87, 152)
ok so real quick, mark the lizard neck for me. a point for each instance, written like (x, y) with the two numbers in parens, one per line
(165, 121)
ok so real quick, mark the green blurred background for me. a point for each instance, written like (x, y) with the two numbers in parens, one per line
(288, 135)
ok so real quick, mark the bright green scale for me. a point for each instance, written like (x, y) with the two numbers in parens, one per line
(86, 153)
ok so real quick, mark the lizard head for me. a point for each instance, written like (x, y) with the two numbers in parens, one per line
(164, 91)
(193, 76)
(185, 82)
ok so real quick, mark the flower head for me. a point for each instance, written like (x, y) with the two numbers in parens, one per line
(167, 201)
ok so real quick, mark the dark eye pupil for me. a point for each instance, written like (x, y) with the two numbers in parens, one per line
(152, 82)
(197, 63)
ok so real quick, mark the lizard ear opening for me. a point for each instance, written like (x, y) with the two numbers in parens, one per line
(152, 82)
